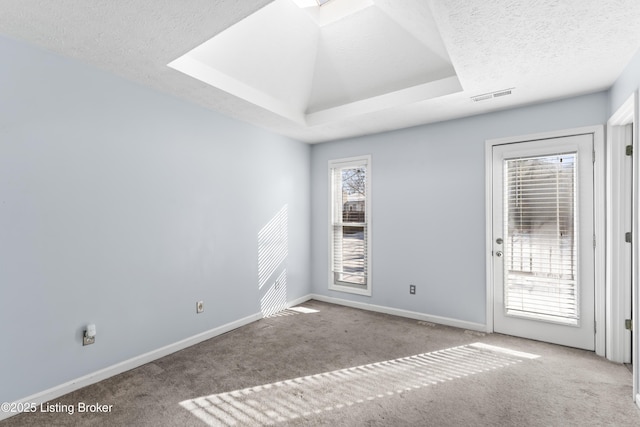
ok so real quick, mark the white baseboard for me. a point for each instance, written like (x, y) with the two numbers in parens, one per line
(298, 301)
(137, 361)
(463, 324)
(638, 400)
(108, 372)
(102, 374)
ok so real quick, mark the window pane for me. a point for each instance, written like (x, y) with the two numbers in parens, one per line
(350, 254)
(349, 226)
(353, 195)
(541, 244)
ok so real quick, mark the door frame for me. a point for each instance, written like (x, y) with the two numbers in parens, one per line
(629, 112)
(599, 220)
(619, 266)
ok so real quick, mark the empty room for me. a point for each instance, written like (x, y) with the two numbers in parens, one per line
(319, 212)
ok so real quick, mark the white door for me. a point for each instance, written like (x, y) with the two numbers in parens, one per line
(543, 234)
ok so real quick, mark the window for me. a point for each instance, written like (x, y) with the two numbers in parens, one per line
(541, 247)
(350, 225)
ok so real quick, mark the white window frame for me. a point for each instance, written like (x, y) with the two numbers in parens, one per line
(345, 163)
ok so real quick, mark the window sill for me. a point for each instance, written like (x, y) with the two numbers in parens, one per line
(350, 289)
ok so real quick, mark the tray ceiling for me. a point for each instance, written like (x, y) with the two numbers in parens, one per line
(350, 67)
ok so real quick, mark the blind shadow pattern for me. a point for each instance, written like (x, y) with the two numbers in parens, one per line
(305, 396)
(273, 243)
(275, 298)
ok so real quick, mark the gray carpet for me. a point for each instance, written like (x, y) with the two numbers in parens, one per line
(332, 365)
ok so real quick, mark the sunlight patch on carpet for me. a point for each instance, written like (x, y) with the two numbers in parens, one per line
(300, 397)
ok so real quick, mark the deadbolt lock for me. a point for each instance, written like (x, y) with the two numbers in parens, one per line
(499, 240)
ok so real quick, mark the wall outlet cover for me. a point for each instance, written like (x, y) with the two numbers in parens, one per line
(199, 306)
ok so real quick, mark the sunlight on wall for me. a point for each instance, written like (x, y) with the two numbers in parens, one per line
(272, 246)
(275, 299)
(304, 396)
(272, 254)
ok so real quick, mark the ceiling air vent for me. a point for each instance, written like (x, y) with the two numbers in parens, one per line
(491, 95)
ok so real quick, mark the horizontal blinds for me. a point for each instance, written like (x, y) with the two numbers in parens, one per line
(350, 254)
(541, 242)
(349, 223)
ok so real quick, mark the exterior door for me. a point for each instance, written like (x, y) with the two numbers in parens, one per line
(543, 240)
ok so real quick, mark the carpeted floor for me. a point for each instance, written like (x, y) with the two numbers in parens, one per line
(321, 364)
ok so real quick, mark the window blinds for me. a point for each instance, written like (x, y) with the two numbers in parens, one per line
(541, 242)
(349, 224)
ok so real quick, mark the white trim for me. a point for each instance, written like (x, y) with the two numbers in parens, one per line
(597, 129)
(488, 192)
(102, 374)
(421, 92)
(462, 324)
(618, 259)
(348, 289)
(599, 213)
(599, 191)
(118, 368)
(364, 160)
(298, 301)
(624, 114)
(627, 113)
(635, 261)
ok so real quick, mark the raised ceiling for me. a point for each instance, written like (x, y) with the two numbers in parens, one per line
(324, 64)
(348, 68)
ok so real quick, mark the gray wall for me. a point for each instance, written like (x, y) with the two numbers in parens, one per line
(122, 206)
(428, 205)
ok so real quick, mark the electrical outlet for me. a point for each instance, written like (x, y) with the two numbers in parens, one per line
(199, 306)
(412, 289)
(89, 336)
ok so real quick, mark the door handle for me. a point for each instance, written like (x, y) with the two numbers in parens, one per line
(499, 254)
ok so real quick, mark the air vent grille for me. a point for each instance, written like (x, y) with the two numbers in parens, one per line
(502, 93)
(491, 95)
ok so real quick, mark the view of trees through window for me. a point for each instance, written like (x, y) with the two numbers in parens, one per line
(350, 243)
(353, 195)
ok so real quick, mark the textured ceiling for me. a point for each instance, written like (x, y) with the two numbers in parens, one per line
(545, 49)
